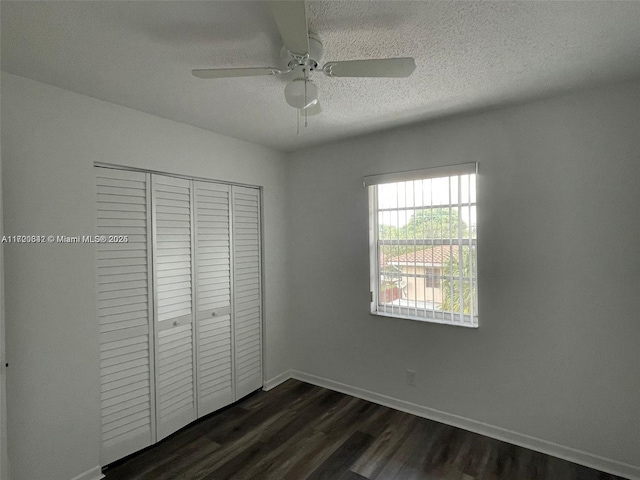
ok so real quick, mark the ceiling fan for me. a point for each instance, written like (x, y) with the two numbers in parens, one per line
(302, 51)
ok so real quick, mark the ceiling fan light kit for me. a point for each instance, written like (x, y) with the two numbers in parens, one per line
(301, 93)
(302, 52)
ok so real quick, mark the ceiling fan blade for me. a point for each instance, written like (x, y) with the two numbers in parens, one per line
(384, 67)
(314, 109)
(291, 18)
(234, 72)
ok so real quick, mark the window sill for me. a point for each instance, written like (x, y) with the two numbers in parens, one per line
(425, 319)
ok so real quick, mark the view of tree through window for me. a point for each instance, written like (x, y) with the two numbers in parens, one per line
(426, 245)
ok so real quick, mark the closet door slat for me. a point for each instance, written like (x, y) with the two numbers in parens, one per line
(124, 314)
(173, 274)
(247, 289)
(213, 276)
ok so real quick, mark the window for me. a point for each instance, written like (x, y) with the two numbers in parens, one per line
(423, 243)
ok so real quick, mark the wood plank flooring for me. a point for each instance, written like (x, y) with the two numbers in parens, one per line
(299, 431)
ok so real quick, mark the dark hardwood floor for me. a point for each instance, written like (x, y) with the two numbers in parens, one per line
(299, 431)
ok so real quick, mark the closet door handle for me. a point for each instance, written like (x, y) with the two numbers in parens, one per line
(175, 323)
(214, 313)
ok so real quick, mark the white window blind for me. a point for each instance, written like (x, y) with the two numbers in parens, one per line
(423, 244)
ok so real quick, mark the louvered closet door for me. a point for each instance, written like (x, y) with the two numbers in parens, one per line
(175, 380)
(213, 286)
(247, 289)
(126, 370)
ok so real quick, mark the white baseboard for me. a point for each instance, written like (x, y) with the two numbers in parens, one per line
(277, 380)
(94, 474)
(631, 472)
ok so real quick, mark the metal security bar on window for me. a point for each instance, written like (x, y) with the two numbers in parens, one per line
(424, 245)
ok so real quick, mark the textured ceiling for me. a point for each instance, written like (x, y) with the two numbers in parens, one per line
(469, 55)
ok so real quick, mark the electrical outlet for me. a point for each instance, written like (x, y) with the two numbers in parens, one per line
(411, 378)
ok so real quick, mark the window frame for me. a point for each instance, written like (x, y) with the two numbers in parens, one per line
(413, 312)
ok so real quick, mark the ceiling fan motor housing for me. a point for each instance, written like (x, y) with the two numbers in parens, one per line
(295, 62)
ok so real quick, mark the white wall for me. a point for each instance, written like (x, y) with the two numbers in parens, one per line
(3, 399)
(50, 139)
(556, 356)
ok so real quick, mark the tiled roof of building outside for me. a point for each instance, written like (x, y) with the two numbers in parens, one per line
(436, 255)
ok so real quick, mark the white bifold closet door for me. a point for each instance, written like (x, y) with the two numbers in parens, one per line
(174, 326)
(124, 311)
(247, 289)
(180, 305)
(213, 286)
